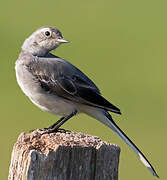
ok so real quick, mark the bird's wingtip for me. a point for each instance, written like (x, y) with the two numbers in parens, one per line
(120, 113)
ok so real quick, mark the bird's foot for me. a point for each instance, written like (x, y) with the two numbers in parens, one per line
(53, 130)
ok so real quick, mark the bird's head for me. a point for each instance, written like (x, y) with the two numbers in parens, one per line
(43, 40)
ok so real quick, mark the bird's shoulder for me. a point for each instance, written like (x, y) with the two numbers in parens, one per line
(52, 68)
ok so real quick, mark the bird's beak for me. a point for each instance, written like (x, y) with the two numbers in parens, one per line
(62, 40)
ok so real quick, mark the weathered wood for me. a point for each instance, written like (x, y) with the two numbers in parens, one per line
(63, 156)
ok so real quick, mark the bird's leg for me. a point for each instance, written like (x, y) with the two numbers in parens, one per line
(65, 119)
(55, 127)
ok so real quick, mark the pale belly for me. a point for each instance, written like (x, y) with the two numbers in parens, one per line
(45, 101)
(53, 104)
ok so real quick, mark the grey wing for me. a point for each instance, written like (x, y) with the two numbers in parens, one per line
(61, 78)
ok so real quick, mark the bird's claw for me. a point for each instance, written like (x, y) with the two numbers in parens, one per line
(53, 130)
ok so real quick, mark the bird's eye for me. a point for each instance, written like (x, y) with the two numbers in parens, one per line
(47, 33)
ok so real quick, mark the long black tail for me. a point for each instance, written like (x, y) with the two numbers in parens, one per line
(105, 117)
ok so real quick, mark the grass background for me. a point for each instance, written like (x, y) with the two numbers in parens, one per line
(121, 45)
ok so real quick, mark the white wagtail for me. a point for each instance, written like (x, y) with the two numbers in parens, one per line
(58, 87)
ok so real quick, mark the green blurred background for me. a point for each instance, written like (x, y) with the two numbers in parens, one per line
(121, 45)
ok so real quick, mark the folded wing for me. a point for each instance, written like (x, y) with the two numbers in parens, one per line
(61, 78)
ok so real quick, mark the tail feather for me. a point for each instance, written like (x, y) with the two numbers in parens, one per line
(125, 138)
(106, 118)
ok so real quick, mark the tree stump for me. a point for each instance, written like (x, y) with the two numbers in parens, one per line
(63, 156)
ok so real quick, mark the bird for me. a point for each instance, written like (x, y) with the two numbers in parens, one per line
(58, 87)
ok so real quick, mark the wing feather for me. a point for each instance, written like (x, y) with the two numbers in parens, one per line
(61, 78)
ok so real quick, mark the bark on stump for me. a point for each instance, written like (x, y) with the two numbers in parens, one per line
(63, 156)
